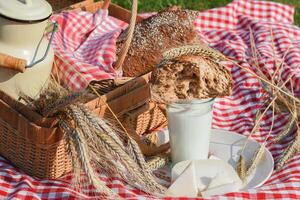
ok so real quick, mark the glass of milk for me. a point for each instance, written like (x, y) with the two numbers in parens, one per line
(189, 126)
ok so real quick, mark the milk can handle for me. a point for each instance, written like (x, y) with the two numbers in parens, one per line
(18, 64)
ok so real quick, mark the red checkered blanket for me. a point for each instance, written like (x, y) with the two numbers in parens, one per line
(87, 42)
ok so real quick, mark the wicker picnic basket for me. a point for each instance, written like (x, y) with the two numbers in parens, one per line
(36, 144)
(146, 119)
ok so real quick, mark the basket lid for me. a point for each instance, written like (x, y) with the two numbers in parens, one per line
(25, 10)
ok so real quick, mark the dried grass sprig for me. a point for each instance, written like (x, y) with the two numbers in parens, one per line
(260, 151)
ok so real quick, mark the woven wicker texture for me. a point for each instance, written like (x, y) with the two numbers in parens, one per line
(146, 118)
(40, 152)
(42, 161)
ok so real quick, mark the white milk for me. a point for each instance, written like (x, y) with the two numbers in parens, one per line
(189, 128)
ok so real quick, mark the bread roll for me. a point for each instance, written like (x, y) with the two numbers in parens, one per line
(168, 29)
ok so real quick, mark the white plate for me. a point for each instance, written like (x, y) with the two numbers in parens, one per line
(227, 145)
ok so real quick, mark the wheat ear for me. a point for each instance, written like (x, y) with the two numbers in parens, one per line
(256, 159)
(286, 130)
(98, 124)
(241, 168)
(157, 162)
(260, 152)
(132, 146)
(61, 103)
(201, 50)
(72, 151)
(294, 147)
(289, 152)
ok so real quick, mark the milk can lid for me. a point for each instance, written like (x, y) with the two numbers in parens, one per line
(25, 10)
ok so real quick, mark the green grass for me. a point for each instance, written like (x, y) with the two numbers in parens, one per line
(155, 5)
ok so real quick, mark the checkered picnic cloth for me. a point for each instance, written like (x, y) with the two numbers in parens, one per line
(227, 29)
(85, 46)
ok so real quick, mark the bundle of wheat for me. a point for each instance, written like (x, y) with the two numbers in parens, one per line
(96, 144)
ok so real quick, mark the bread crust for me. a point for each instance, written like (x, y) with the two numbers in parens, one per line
(153, 36)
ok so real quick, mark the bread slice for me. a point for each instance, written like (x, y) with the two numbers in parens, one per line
(190, 77)
(168, 29)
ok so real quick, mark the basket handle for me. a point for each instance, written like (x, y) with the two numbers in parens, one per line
(13, 63)
(125, 48)
(106, 4)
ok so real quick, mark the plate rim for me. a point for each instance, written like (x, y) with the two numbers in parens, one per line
(253, 140)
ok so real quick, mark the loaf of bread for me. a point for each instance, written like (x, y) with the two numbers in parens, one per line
(168, 29)
(190, 77)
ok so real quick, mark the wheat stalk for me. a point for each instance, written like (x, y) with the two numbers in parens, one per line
(265, 80)
(284, 97)
(258, 119)
(72, 151)
(260, 151)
